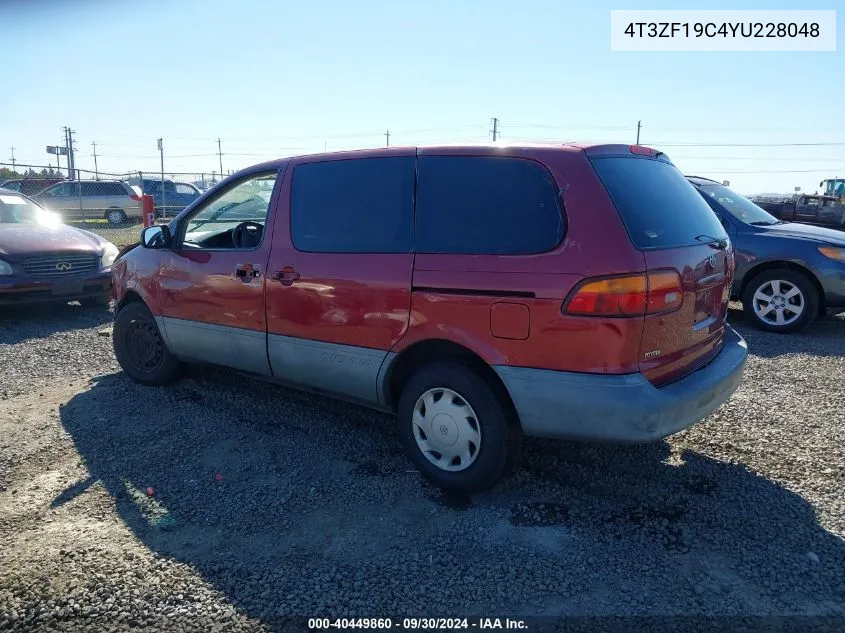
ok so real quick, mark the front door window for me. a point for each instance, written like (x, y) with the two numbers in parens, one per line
(233, 220)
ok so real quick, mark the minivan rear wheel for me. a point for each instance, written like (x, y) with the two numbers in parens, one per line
(140, 349)
(456, 430)
(116, 216)
(780, 300)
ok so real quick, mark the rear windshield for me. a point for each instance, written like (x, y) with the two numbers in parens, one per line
(659, 207)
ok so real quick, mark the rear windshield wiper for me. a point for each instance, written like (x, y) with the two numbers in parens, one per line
(715, 242)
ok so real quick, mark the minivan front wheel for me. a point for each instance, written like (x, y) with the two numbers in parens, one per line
(116, 216)
(780, 301)
(455, 428)
(140, 349)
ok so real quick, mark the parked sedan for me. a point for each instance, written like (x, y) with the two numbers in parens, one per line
(786, 272)
(42, 259)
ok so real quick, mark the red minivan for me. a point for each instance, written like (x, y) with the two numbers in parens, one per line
(478, 292)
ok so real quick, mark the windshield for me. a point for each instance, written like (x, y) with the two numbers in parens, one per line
(738, 206)
(15, 209)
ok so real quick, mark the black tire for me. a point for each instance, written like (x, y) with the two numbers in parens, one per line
(140, 349)
(115, 216)
(499, 431)
(761, 282)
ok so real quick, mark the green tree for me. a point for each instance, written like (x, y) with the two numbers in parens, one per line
(8, 174)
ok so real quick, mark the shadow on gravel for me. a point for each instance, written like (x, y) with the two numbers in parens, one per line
(292, 504)
(823, 337)
(23, 323)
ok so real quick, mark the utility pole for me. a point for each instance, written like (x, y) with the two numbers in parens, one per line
(387, 138)
(495, 128)
(163, 194)
(639, 125)
(96, 169)
(13, 158)
(67, 154)
(71, 161)
(220, 154)
(70, 134)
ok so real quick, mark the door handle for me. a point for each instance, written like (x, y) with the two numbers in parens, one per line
(286, 275)
(246, 272)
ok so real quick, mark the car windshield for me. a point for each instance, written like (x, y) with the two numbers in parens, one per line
(15, 209)
(738, 206)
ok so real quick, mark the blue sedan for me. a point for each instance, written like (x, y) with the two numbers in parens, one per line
(786, 272)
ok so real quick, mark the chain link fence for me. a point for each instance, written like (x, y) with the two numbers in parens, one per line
(98, 196)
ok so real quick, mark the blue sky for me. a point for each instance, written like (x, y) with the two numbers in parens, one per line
(279, 78)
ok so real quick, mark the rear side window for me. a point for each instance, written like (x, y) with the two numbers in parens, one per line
(102, 189)
(486, 205)
(659, 207)
(91, 189)
(353, 206)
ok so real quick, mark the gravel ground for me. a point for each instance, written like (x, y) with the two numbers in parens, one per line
(225, 504)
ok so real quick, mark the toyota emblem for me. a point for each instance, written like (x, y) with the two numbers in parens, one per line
(64, 266)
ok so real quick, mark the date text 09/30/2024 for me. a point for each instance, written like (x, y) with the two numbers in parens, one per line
(416, 624)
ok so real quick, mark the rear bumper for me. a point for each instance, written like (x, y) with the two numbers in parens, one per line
(19, 291)
(627, 408)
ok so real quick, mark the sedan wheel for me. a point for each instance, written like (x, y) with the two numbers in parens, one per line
(778, 302)
(781, 300)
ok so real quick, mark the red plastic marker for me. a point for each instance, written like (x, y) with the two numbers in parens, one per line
(150, 491)
(218, 477)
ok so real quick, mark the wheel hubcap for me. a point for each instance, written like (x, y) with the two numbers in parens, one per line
(446, 429)
(778, 302)
(144, 345)
(115, 217)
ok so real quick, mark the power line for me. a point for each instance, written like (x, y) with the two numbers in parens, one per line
(769, 171)
(822, 144)
(761, 158)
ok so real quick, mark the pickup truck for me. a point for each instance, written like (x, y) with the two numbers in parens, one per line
(172, 198)
(825, 211)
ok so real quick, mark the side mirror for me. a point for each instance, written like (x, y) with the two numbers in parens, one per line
(157, 236)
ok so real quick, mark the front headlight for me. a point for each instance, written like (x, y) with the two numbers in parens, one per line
(833, 252)
(109, 255)
(5, 268)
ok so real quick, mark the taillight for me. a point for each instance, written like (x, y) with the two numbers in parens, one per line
(627, 295)
(664, 291)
